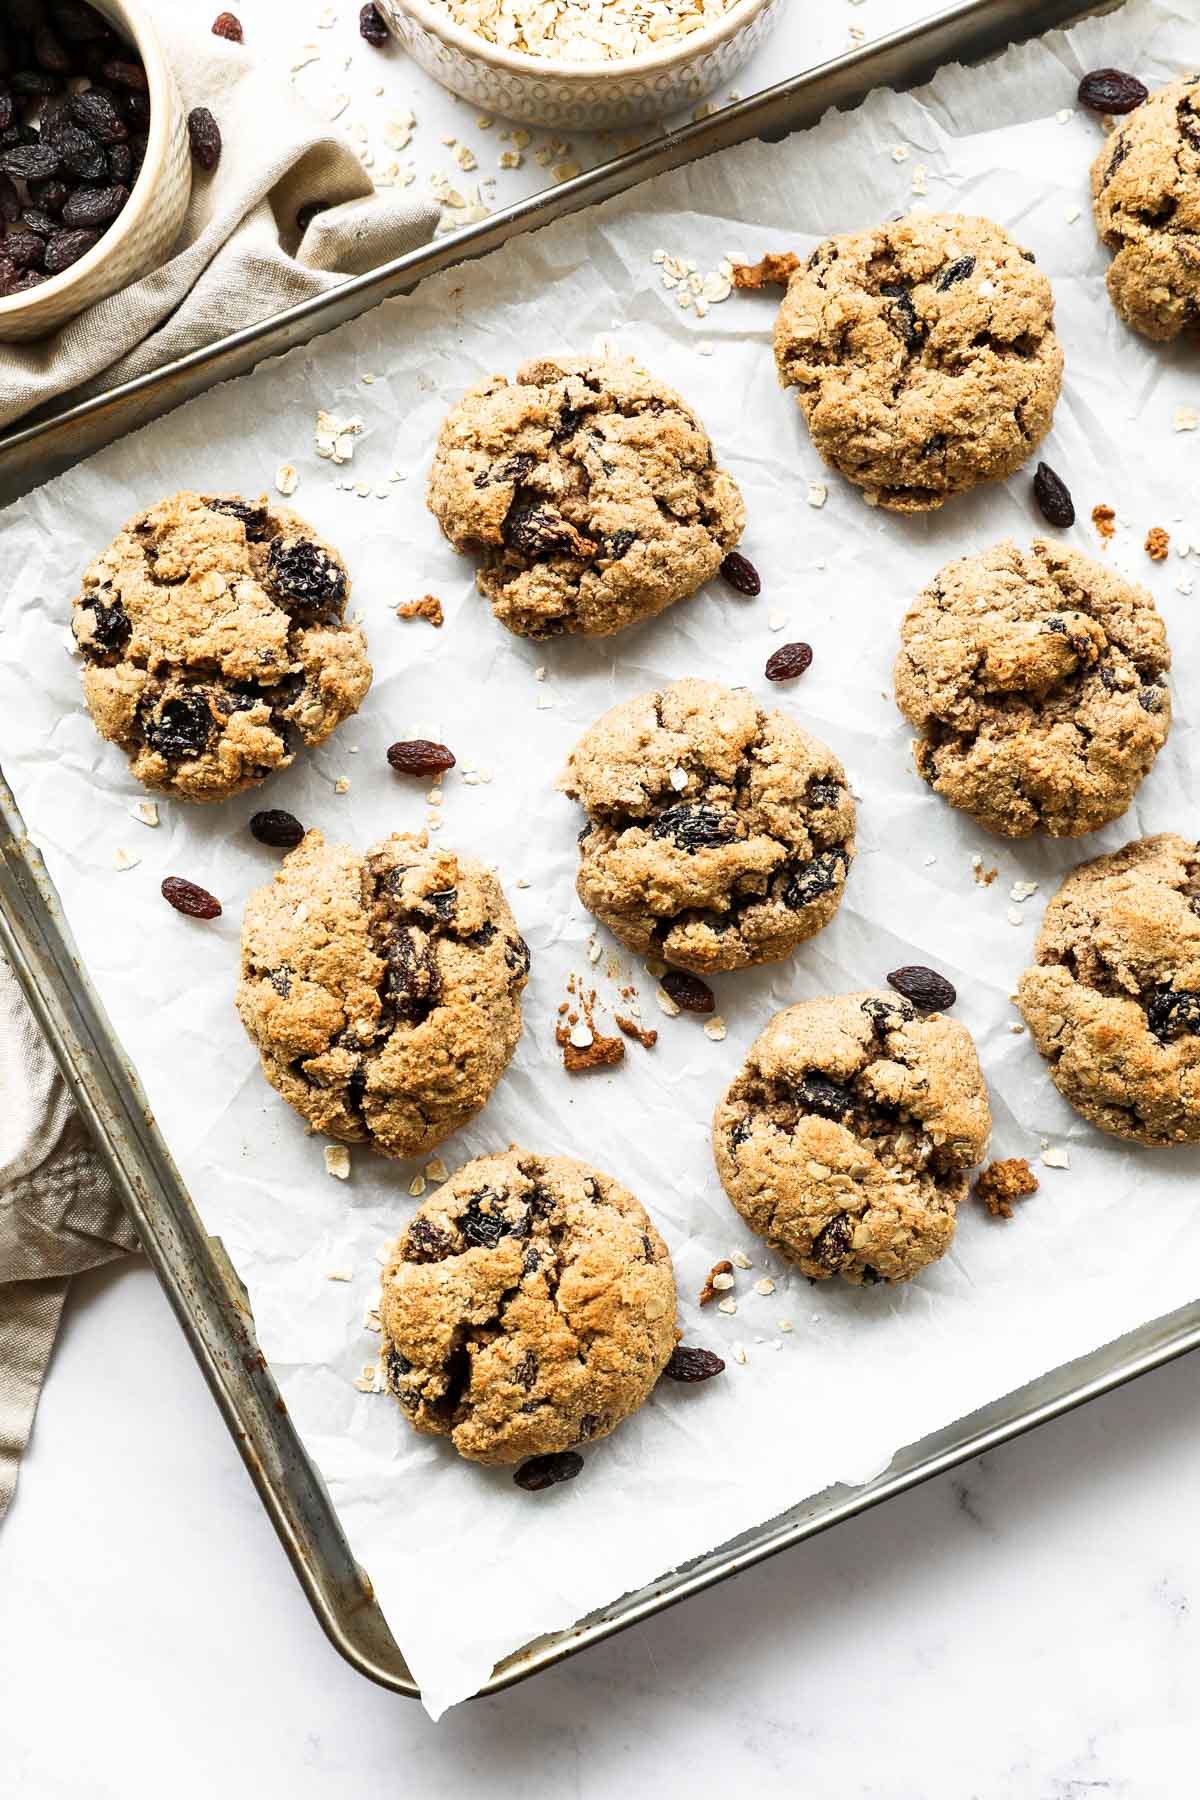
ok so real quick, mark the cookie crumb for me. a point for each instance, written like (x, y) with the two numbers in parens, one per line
(647, 1039)
(601, 1053)
(714, 1280)
(427, 607)
(1105, 520)
(337, 1161)
(772, 271)
(1157, 543)
(1003, 1182)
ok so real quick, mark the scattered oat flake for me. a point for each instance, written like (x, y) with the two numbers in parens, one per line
(339, 1274)
(722, 1282)
(333, 439)
(776, 621)
(765, 1286)
(727, 1306)
(1056, 1157)
(709, 1290)
(1071, 215)
(714, 1028)
(1015, 916)
(919, 179)
(900, 153)
(739, 1353)
(337, 1161)
(817, 493)
(665, 1002)
(145, 811)
(341, 785)
(1157, 544)
(740, 1260)
(286, 478)
(1023, 890)
(436, 1170)
(124, 859)
(1185, 418)
(416, 1186)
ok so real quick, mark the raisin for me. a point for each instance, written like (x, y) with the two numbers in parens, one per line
(696, 827)
(444, 902)
(308, 212)
(119, 161)
(30, 162)
(517, 957)
(1111, 91)
(788, 661)
(958, 271)
(18, 281)
(396, 1366)
(812, 879)
(303, 572)
(10, 200)
(110, 628)
(927, 990)
(77, 22)
(1053, 497)
(96, 112)
(526, 1370)
(541, 1472)
(123, 73)
(23, 247)
(33, 84)
(81, 153)
(420, 757)
(741, 574)
(616, 545)
(254, 518)
(828, 1099)
(66, 247)
(1150, 698)
(48, 53)
(41, 222)
(187, 898)
(94, 206)
(49, 196)
(371, 27)
(905, 314)
(282, 830)
(485, 1229)
(183, 726)
(136, 108)
(822, 793)
(414, 982)
(832, 1244)
(686, 1363)
(1189, 124)
(887, 1015)
(228, 25)
(1173, 1011)
(426, 1242)
(532, 529)
(204, 136)
(688, 991)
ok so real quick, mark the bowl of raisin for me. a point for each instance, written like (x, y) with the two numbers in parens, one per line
(95, 170)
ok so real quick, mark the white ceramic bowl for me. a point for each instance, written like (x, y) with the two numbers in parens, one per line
(591, 96)
(146, 227)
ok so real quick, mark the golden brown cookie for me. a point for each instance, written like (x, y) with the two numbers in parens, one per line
(588, 490)
(1146, 198)
(383, 991)
(529, 1306)
(1114, 1001)
(214, 641)
(1037, 680)
(923, 356)
(718, 835)
(847, 1138)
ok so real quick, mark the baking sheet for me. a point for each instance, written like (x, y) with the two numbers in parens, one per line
(465, 1567)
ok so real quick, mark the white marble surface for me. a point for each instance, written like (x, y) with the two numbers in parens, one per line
(1022, 1628)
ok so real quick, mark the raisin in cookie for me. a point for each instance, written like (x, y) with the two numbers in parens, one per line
(923, 356)
(382, 990)
(214, 640)
(589, 491)
(529, 1306)
(1146, 198)
(1114, 1002)
(847, 1138)
(1037, 680)
(719, 835)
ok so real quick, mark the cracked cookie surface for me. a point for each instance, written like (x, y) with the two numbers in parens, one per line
(1146, 199)
(383, 991)
(1037, 680)
(1114, 1001)
(590, 492)
(719, 835)
(847, 1138)
(214, 642)
(529, 1306)
(923, 356)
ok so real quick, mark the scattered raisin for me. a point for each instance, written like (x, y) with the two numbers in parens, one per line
(924, 987)
(788, 661)
(1053, 497)
(204, 135)
(419, 756)
(541, 1472)
(282, 830)
(687, 1363)
(372, 28)
(688, 991)
(95, 111)
(187, 898)
(228, 25)
(1111, 91)
(741, 574)
(66, 247)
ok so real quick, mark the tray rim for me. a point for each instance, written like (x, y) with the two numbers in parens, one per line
(200, 1284)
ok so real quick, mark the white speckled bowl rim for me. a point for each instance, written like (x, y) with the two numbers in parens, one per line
(522, 62)
(134, 21)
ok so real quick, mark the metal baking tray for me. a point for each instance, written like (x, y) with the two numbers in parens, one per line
(201, 1284)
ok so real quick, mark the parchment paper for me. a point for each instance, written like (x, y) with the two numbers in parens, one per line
(467, 1567)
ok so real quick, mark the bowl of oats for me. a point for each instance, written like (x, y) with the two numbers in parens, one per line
(581, 65)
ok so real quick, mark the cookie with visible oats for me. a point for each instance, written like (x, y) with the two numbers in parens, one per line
(1037, 681)
(215, 643)
(383, 991)
(847, 1138)
(923, 356)
(528, 1306)
(1113, 1003)
(589, 492)
(719, 835)
(1146, 198)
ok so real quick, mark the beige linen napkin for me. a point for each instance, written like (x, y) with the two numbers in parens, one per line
(239, 257)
